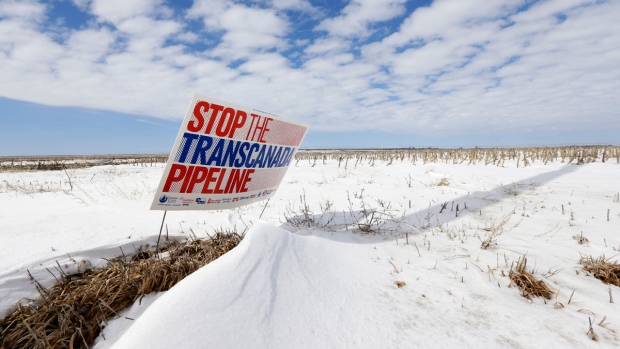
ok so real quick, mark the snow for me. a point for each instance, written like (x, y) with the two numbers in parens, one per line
(327, 284)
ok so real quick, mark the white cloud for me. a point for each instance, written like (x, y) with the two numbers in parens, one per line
(329, 45)
(81, 4)
(455, 66)
(462, 68)
(115, 11)
(187, 37)
(547, 9)
(89, 45)
(147, 35)
(299, 5)
(358, 14)
(449, 18)
(209, 11)
(247, 19)
(29, 10)
(246, 30)
(20, 38)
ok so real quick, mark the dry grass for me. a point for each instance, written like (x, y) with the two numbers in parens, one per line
(443, 182)
(527, 283)
(59, 163)
(495, 230)
(602, 269)
(487, 156)
(72, 313)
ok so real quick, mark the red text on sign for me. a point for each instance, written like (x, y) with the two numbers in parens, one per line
(228, 119)
(213, 180)
(259, 125)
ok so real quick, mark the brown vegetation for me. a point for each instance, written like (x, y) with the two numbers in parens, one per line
(488, 156)
(73, 312)
(602, 269)
(59, 163)
(347, 157)
(527, 283)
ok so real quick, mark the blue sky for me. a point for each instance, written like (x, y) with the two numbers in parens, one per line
(116, 76)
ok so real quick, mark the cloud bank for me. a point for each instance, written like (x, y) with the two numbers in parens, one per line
(449, 67)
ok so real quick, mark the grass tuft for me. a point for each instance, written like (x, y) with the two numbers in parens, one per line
(602, 269)
(444, 182)
(527, 283)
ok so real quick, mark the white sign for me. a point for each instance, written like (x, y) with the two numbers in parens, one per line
(226, 156)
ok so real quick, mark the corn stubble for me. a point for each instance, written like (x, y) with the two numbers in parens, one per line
(72, 313)
(487, 156)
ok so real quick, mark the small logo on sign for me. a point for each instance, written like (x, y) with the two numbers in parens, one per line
(201, 201)
(163, 199)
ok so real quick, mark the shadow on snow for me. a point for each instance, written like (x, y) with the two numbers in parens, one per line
(378, 222)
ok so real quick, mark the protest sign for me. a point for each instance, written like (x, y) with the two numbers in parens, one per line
(226, 156)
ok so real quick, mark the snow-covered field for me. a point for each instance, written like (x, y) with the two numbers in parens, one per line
(321, 267)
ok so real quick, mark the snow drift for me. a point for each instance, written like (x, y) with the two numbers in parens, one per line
(276, 289)
(280, 290)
